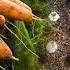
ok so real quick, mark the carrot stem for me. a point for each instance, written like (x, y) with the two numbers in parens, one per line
(3, 36)
(20, 40)
(2, 68)
(16, 28)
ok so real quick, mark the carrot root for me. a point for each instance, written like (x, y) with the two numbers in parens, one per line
(5, 51)
(2, 20)
(15, 11)
(22, 4)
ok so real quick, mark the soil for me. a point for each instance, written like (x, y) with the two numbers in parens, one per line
(60, 60)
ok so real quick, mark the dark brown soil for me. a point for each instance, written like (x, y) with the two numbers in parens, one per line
(60, 60)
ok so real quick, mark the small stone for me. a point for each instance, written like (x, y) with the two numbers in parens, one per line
(51, 46)
(53, 16)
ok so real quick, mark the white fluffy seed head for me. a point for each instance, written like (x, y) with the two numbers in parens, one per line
(51, 46)
(53, 16)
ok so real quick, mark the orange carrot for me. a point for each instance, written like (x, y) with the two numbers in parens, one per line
(22, 4)
(5, 51)
(12, 10)
(2, 20)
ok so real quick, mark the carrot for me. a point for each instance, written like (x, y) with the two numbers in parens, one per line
(22, 4)
(2, 20)
(17, 12)
(5, 51)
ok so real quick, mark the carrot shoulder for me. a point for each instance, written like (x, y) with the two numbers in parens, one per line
(10, 9)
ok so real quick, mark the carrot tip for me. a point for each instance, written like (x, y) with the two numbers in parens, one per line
(13, 58)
